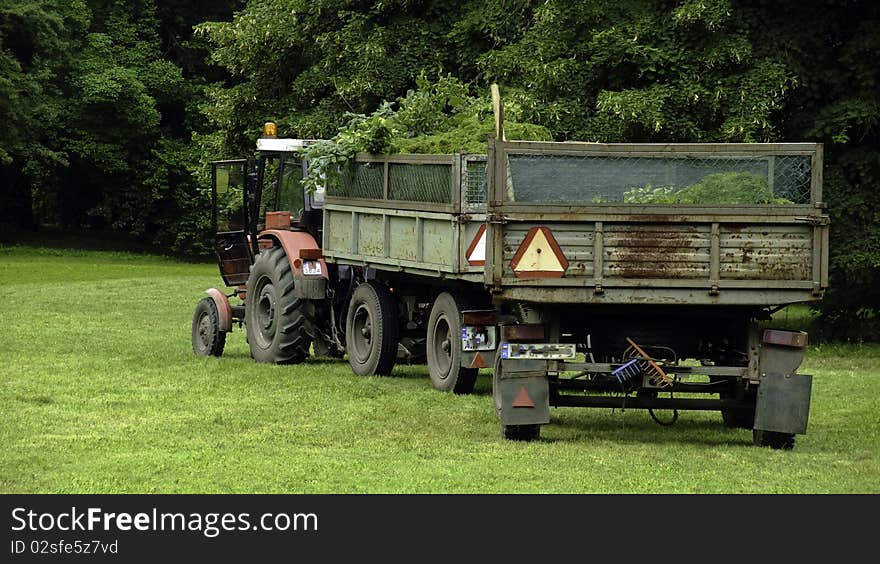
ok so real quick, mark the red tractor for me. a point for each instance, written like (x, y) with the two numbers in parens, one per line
(268, 230)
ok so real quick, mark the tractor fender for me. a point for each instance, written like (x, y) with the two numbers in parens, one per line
(224, 310)
(292, 242)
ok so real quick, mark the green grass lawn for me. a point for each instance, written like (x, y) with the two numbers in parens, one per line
(101, 393)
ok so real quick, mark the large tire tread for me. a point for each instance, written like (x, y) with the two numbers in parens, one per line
(382, 312)
(773, 439)
(460, 380)
(292, 342)
(523, 433)
(388, 356)
(214, 339)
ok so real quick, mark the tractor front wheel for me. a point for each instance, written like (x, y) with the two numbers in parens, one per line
(207, 338)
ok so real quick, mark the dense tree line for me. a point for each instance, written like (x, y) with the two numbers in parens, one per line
(112, 108)
(98, 100)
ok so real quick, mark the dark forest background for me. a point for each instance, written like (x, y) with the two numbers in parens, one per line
(110, 109)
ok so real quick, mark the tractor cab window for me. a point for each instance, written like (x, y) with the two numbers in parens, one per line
(268, 187)
(281, 187)
(228, 195)
(291, 175)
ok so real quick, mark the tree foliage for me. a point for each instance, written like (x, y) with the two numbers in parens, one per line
(100, 116)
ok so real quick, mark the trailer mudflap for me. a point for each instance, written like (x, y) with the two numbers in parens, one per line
(525, 392)
(783, 403)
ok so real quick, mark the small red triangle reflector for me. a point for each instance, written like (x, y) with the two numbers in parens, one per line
(523, 399)
(479, 362)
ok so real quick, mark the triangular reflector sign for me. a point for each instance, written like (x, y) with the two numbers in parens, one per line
(476, 252)
(479, 362)
(523, 399)
(539, 256)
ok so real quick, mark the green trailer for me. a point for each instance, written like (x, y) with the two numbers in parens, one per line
(581, 274)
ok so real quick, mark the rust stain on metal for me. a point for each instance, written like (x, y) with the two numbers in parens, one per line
(655, 253)
(278, 220)
(523, 332)
(796, 339)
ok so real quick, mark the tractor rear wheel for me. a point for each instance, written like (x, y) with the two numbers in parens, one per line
(276, 321)
(207, 338)
(444, 347)
(371, 330)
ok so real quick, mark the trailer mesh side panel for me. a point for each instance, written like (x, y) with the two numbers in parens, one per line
(783, 179)
(475, 194)
(420, 183)
(360, 180)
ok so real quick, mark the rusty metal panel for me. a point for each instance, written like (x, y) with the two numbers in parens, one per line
(797, 339)
(660, 293)
(522, 332)
(766, 252)
(656, 251)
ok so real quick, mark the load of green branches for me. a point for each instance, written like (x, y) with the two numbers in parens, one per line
(440, 117)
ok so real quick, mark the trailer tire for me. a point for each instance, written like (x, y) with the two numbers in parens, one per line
(773, 439)
(371, 330)
(738, 418)
(207, 338)
(523, 433)
(444, 347)
(276, 321)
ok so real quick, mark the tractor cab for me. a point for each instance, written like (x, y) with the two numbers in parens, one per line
(268, 230)
(252, 195)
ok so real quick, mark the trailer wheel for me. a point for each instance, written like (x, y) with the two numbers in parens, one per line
(773, 439)
(207, 338)
(524, 433)
(371, 330)
(276, 321)
(738, 418)
(444, 347)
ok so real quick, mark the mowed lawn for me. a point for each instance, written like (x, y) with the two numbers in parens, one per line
(100, 393)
